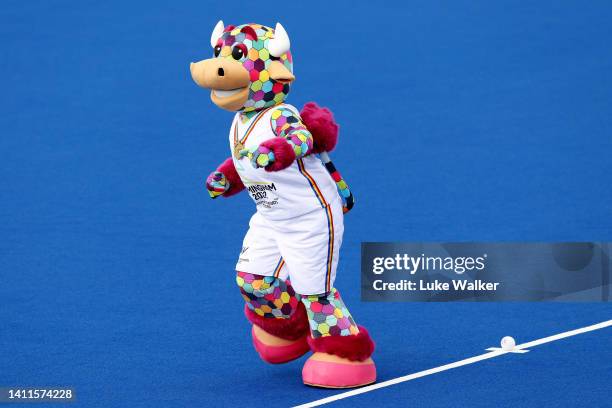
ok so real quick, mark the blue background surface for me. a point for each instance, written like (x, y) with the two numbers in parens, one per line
(460, 121)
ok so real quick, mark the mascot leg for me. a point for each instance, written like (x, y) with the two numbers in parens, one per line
(342, 349)
(280, 324)
(310, 245)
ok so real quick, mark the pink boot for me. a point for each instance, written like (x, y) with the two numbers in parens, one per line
(275, 350)
(340, 361)
(278, 340)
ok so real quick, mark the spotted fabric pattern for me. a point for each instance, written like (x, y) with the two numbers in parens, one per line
(267, 296)
(285, 123)
(328, 315)
(255, 58)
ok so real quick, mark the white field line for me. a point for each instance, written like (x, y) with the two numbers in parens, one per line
(456, 364)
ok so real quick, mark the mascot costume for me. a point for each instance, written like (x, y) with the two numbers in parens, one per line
(287, 265)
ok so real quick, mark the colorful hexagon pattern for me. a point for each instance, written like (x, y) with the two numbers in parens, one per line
(267, 296)
(288, 124)
(256, 61)
(328, 315)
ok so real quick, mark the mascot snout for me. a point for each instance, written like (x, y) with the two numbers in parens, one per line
(228, 81)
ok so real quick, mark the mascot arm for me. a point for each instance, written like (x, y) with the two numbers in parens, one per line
(315, 132)
(224, 181)
(288, 125)
(293, 141)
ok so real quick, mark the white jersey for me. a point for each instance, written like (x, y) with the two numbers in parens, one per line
(299, 189)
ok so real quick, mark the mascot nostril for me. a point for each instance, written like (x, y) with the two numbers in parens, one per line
(280, 157)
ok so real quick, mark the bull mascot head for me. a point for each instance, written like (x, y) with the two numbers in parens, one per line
(251, 67)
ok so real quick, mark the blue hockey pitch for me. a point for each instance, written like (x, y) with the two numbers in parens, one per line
(465, 120)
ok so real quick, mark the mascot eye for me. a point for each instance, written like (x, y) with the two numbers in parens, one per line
(237, 53)
(217, 50)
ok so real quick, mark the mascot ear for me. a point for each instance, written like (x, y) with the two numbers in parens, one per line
(217, 32)
(279, 72)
